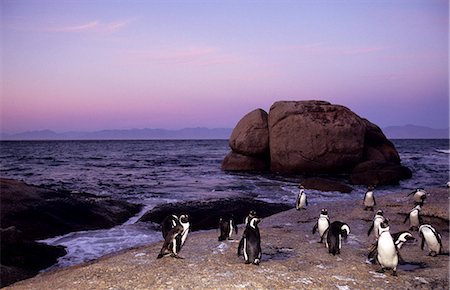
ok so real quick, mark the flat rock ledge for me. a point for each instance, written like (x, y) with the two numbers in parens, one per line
(292, 258)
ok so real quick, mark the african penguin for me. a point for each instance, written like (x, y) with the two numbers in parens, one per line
(415, 220)
(369, 199)
(175, 230)
(227, 226)
(302, 201)
(386, 249)
(250, 215)
(399, 238)
(322, 224)
(251, 242)
(336, 232)
(432, 238)
(377, 219)
(419, 196)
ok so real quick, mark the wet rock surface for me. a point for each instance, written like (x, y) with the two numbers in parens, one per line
(30, 213)
(292, 258)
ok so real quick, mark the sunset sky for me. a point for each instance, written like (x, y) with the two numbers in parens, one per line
(92, 65)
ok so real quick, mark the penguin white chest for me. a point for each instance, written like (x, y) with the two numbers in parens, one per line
(431, 240)
(387, 254)
(322, 225)
(368, 200)
(414, 218)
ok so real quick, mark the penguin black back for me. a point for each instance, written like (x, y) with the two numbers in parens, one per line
(336, 232)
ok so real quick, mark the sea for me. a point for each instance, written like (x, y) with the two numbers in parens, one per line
(152, 172)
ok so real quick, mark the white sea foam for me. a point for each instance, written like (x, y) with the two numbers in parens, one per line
(84, 246)
(447, 151)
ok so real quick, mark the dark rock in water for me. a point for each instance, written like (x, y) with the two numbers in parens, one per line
(379, 173)
(22, 258)
(324, 184)
(205, 215)
(313, 137)
(41, 213)
(238, 162)
(31, 213)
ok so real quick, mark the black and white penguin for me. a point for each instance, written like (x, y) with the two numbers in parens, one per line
(415, 220)
(175, 230)
(251, 243)
(335, 233)
(386, 250)
(302, 201)
(369, 199)
(227, 226)
(322, 224)
(432, 238)
(448, 184)
(399, 238)
(250, 215)
(377, 219)
(419, 196)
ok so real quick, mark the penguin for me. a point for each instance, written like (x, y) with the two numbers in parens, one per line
(336, 232)
(415, 220)
(302, 201)
(227, 226)
(175, 230)
(448, 184)
(251, 242)
(377, 219)
(399, 238)
(432, 238)
(250, 215)
(167, 224)
(322, 224)
(369, 199)
(387, 253)
(419, 196)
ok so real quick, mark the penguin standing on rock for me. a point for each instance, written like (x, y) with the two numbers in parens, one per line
(387, 251)
(415, 220)
(419, 196)
(227, 226)
(336, 232)
(399, 239)
(251, 243)
(432, 238)
(369, 199)
(377, 219)
(302, 201)
(174, 230)
(322, 224)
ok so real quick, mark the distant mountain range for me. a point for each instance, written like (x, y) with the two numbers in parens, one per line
(415, 132)
(392, 132)
(131, 134)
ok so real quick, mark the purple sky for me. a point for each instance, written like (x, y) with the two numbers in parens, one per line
(91, 65)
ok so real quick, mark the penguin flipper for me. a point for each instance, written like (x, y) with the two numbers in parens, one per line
(315, 228)
(306, 201)
(240, 247)
(370, 230)
(406, 218)
(374, 202)
(423, 241)
(412, 192)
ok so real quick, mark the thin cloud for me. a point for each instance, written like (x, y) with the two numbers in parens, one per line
(93, 26)
(324, 49)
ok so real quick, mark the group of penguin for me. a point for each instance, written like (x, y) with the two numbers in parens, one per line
(385, 249)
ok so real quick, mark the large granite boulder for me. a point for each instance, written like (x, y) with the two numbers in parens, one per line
(311, 137)
(251, 134)
(314, 136)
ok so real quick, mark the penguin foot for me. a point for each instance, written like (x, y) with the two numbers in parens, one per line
(256, 262)
(381, 270)
(247, 262)
(432, 254)
(394, 273)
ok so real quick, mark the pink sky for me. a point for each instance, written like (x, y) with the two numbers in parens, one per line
(92, 65)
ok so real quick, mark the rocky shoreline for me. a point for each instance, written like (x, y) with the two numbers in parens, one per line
(292, 258)
(29, 213)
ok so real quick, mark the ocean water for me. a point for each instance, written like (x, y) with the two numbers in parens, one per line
(154, 172)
